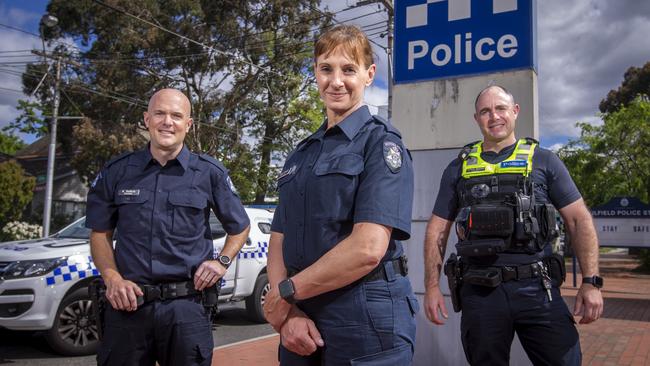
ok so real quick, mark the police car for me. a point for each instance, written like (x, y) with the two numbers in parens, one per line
(44, 282)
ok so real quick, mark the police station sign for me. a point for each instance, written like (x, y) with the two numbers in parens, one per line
(446, 38)
(622, 222)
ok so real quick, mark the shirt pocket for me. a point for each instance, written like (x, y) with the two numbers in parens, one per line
(188, 212)
(334, 189)
(134, 211)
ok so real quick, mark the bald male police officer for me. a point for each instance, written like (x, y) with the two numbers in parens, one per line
(501, 193)
(159, 200)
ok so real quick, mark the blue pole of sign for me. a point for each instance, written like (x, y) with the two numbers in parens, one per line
(575, 284)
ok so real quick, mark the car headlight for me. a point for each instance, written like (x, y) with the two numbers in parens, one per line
(34, 268)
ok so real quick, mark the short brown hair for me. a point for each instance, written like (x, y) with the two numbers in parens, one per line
(352, 40)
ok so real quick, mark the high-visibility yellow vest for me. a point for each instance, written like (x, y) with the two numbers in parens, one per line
(519, 162)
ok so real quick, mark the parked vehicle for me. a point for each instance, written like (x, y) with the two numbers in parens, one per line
(44, 282)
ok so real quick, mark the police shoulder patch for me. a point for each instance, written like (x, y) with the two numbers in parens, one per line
(231, 185)
(393, 156)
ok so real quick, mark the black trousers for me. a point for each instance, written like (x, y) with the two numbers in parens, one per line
(171, 332)
(491, 316)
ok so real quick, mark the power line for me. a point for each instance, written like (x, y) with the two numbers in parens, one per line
(13, 90)
(177, 34)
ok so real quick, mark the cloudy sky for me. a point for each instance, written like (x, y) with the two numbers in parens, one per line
(584, 47)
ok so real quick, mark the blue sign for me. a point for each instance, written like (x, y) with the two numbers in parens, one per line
(448, 38)
(622, 207)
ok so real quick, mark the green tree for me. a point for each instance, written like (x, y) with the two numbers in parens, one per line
(613, 159)
(635, 81)
(251, 88)
(9, 144)
(15, 191)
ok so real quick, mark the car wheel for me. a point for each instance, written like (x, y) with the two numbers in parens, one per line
(74, 332)
(255, 302)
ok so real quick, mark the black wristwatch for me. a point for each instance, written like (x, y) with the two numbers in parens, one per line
(287, 290)
(224, 260)
(594, 280)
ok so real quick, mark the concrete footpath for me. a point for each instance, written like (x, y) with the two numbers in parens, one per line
(620, 337)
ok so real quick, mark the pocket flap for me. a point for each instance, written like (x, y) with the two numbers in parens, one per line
(349, 164)
(187, 199)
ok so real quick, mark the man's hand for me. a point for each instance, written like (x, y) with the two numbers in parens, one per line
(122, 294)
(299, 334)
(434, 306)
(276, 309)
(589, 303)
(208, 273)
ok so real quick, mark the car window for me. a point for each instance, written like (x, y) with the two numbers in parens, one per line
(216, 228)
(75, 231)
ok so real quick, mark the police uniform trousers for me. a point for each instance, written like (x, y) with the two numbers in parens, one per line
(171, 332)
(366, 323)
(491, 316)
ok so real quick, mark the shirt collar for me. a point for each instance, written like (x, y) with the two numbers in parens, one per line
(353, 123)
(144, 157)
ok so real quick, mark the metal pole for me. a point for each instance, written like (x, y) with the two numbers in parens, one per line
(51, 154)
(389, 56)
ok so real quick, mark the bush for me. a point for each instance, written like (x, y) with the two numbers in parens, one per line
(644, 258)
(17, 230)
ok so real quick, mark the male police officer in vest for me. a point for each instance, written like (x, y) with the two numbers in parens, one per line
(501, 194)
(159, 200)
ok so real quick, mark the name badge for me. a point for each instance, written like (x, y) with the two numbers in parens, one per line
(128, 192)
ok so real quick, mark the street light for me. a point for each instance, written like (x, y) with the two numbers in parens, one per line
(50, 20)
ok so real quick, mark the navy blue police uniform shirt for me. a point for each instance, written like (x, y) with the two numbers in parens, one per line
(357, 171)
(161, 213)
(552, 184)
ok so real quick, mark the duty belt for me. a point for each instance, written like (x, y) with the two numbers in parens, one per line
(400, 267)
(168, 291)
(509, 273)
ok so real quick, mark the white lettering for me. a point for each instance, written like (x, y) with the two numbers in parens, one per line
(468, 47)
(478, 49)
(424, 48)
(434, 55)
(507, 46)
(462, 50)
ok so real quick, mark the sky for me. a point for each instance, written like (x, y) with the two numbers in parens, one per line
(584, 48)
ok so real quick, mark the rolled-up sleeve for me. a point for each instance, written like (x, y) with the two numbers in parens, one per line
(385, 192)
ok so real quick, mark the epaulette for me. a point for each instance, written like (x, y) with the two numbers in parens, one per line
(389, 126)
(118, 158)
(466, 150)
(531, 140)
(212, 161)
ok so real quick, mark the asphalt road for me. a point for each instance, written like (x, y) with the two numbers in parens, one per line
(29, 348)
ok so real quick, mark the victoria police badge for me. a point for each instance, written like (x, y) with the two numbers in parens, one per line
(392, 156)
(231, 185)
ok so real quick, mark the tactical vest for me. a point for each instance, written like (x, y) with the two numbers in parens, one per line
(498, 209)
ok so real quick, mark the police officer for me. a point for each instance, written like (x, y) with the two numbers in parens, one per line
(159, 200)
(339, 291)
(499, 192)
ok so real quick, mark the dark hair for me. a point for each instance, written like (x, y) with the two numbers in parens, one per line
(352, 41)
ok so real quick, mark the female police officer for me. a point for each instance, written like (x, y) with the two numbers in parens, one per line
(340, 294)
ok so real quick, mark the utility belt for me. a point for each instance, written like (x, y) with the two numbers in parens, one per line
(458, 273)
(398, 266)
(162, 292)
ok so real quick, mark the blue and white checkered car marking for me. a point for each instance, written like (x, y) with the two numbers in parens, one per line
(261, 252)
(72, 269)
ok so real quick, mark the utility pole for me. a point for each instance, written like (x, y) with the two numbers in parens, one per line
(388, 5)
(51, 154)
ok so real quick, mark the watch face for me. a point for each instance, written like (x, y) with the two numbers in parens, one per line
(225, 260)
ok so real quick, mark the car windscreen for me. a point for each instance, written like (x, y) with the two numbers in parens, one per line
(75, 231)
